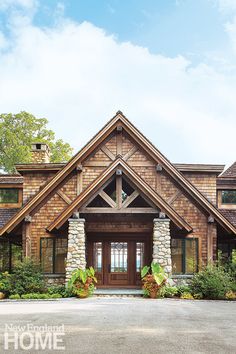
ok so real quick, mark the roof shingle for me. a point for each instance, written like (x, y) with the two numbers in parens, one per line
(230, 172)
(6, 214)
(230, 215)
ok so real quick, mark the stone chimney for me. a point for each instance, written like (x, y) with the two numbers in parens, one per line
(40, 153)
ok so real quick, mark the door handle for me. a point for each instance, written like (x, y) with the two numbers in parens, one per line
(109, 268)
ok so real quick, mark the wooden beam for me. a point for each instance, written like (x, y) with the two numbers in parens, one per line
(129, 199)
(64, 197)
(119, 143)
(174, 197)
(119, 191)
(210, 236)
(130, 153)
(107, 199)
(79, 182)
(108, 153)
(119, 211)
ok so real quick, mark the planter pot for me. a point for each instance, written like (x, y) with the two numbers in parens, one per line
(153, 294)
(83, 294)
(2, 295)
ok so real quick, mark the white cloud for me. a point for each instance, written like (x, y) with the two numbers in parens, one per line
(26, 4)
(77, 76)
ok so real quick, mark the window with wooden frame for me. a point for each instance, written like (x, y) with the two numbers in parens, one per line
(228, 196)
(184, 254)
(53, 252)
(10, 254)
(10, 197)
(119, 195)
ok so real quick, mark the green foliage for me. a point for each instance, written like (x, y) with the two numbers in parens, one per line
(14, 297)
(82, 282)
(230, 295)
(187, 296)
(5, 282)
(169, 291)
(40, 296)
(212, 282)
(26, 278)
(181, 289)
(56, 289)
(19, 131)
(153, 279)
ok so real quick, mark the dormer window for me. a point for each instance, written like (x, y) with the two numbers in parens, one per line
(10, 197)
(228, 196)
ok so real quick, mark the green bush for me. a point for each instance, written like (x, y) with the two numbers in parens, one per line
(170, 291)
(27, 278)
(57, 289)
(187, 296)
(181, 289)
(14, 297)
(36, 296)
(212, 282)
(5, 283)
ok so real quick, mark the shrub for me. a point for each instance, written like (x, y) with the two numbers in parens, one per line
(35, 296)
(170, 291)
(230, 295)
(187, 296)
(212, 282)
(14, 297)
(181, 289)
(5, 283)
(27, 278)
(57, 289)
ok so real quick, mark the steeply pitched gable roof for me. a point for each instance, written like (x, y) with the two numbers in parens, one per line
(139, 182)
(121, 120)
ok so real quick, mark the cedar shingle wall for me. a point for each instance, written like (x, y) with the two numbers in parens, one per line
(205, 183)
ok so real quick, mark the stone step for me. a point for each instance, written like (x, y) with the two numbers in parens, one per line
(111, 292)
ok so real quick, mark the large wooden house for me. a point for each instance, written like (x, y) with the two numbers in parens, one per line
(118, 204)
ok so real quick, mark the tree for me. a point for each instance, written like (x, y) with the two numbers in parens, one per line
(19, 131)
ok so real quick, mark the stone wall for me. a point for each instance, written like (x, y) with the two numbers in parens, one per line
(76, 246)
(161, 244)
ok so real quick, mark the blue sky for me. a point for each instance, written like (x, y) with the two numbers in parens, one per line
(169, 65)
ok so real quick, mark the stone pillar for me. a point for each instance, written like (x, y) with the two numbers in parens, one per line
(76, 257)
(161, 244)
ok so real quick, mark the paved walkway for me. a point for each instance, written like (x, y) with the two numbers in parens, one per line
(130, 325)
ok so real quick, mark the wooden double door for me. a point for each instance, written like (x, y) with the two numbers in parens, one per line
(118, 259)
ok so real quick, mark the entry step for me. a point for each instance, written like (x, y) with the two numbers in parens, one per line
(118, 292)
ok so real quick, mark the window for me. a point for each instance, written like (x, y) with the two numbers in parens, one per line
(228, 197)
(53, 253)
(9, 195)
(10, 254)
(184, 254)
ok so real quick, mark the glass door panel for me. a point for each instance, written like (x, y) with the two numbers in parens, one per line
(119, 253)
(97, 260)
(118, 266)
(139, 256)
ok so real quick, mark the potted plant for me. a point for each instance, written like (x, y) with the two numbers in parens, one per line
(82, 282)
(153, 278)
(4, 284)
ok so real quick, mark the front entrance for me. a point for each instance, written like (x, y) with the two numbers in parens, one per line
(118, 259)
